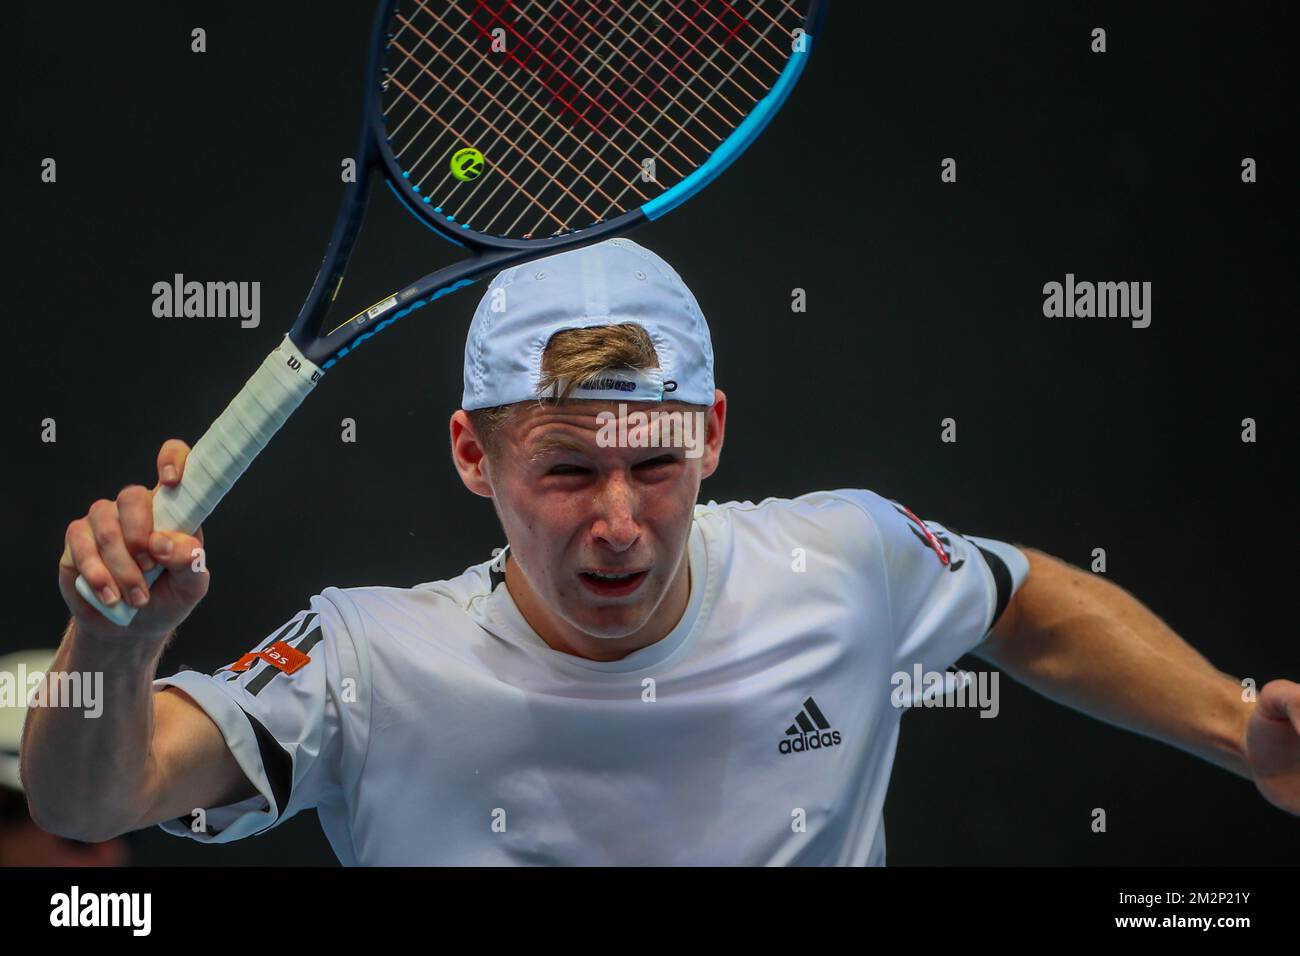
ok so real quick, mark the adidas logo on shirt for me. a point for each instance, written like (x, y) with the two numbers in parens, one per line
(810, 731)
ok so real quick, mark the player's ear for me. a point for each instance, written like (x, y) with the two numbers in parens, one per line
(716, 419)
(468, 454)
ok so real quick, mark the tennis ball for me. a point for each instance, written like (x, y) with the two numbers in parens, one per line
(466, 164)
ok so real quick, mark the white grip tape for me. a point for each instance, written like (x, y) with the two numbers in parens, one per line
(226, 449)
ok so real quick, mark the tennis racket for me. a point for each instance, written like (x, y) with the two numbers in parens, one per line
(515, 129)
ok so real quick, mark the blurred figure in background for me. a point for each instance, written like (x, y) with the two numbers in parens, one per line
(22, 842)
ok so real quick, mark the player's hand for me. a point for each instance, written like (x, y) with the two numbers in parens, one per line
(113, 546)
(1273, 744)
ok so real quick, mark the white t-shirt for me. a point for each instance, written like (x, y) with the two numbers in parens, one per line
(432, 726)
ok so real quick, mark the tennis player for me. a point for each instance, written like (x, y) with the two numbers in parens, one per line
(636, 678)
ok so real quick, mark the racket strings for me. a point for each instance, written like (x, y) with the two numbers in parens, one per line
(625, 33)
(580, 109)
(501, 134)
(679, 127)
(738, 63)
(586, 154)
(592, 156)
(507, 109)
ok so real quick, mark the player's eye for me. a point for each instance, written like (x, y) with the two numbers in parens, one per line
(567, 470)
(657, 462)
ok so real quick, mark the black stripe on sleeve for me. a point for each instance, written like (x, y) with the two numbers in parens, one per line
(311, 640)
(269, 671)
(278, 635)
(1001, 580)
(275, 761)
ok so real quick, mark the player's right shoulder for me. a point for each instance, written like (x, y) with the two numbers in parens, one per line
(383, 602)
(439, 612)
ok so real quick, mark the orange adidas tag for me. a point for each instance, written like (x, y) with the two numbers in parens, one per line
(244, 663)
(284, 656)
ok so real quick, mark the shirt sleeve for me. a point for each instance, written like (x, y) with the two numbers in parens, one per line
(945, 590)
(283, 710)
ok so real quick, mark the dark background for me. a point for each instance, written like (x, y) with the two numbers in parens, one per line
(924, 301)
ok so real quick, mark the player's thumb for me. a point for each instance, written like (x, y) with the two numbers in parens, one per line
(1280, 700)
(185, 560)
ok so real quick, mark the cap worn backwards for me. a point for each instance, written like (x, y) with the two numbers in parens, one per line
(602, 284)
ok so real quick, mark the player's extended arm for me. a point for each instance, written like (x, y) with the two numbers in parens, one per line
(1083, 641)
(148, 757)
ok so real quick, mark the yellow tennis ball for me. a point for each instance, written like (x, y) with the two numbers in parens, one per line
(466, 164)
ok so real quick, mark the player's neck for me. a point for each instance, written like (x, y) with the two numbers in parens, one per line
(561, 636)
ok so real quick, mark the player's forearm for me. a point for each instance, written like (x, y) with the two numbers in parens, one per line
(87, 777)
(1086, 643)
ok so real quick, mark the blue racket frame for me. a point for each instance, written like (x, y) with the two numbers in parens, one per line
(490, 253)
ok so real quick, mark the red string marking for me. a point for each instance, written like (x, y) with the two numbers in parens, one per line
(667, 68)
(655, 60)
(565, 80)
(532, 48)
(579, 115)
(639, 32)
(439, 78)
(731, 33)
(596, 154)
(682, 36)
(582, 44)
(554, 47)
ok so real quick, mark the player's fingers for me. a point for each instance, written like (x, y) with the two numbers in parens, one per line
(187, 572)
(107, 529)
(135, 514)
(1280, 700)
(1293, 704)
(171, 461)
(176, 551)
(81, 556)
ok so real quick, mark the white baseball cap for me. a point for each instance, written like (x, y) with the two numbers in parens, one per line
(602, 284)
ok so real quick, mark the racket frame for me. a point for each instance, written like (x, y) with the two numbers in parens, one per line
(490, 254)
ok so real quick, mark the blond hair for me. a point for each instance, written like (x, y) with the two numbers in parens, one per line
(574, 355)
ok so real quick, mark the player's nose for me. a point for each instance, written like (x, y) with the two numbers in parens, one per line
(616, 514)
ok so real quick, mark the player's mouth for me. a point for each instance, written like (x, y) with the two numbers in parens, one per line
(611, 583)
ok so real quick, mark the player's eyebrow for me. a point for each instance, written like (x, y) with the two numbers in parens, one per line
(556, 441)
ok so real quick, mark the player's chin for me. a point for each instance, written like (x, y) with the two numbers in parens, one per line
(604, 627)
(609, 618)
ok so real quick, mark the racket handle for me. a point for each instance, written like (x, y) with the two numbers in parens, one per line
(226, 449)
